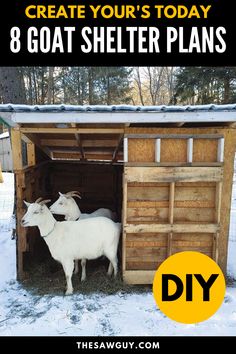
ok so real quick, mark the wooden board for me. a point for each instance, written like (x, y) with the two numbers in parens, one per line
(148, 214)
(195, 193)
(193, 228)
(196, 215)
(133, 265)
(143, 192)
(173, 174)
(16, 149)
(138, 277)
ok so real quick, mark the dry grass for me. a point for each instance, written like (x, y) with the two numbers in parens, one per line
(48, 278)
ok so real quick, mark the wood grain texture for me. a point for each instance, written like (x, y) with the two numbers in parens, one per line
(174, 174)
(16, 149)
(173, 150)
(139, 277)
(141, 150)
(205, 150)
(176, 228)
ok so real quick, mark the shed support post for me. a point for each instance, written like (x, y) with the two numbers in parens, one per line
(218, 199)
(20, 187)
(171, 216)
(31, 154)
(16, 149)
(124, 221)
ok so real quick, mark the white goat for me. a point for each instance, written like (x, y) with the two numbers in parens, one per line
(72, 240)
(66, 205)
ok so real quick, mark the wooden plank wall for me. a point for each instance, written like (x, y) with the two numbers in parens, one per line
(181, 206)
(100, 185)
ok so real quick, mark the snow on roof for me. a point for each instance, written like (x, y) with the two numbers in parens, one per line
(114, 108)
(13, 114)
(4, 135)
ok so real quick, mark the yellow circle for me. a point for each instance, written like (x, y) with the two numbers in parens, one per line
(189, 287)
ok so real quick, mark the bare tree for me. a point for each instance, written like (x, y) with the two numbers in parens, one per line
(155, 79)
(138, 81)
(154, 85)
(50, 85)
(170, 72)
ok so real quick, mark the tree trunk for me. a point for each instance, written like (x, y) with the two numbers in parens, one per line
(108, 91)
(50, 84)
(35, 86)
(12, 88)
(139, 84)
(30, 86)
(90, 83)
(42, 86)
(226, 90)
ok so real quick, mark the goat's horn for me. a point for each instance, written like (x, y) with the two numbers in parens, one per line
(76, 195)
(44, 201)
(38, 200)
(72, 192)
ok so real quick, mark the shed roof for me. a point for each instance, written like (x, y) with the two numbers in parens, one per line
(115, 108)
(95, 133)
(117, 114)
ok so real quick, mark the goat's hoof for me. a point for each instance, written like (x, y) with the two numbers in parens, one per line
(68, 292)
(83, 279)
(76, 271)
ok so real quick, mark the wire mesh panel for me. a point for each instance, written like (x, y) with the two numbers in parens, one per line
(7, 222)
(232, 230)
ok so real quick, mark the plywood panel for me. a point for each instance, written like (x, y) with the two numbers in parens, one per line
(173, 150)
(205, 150)
(141, 150)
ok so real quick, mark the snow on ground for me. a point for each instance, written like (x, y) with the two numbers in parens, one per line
(231, 269)
(22, 313)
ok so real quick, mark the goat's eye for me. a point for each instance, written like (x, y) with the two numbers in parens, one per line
(35, 212)
(60, 203)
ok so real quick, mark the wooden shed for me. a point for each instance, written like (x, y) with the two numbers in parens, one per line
(1, 177)
(166, 170)
(5, 152)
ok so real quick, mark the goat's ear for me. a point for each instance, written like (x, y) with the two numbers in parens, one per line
(61, 194)
(26, 203)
